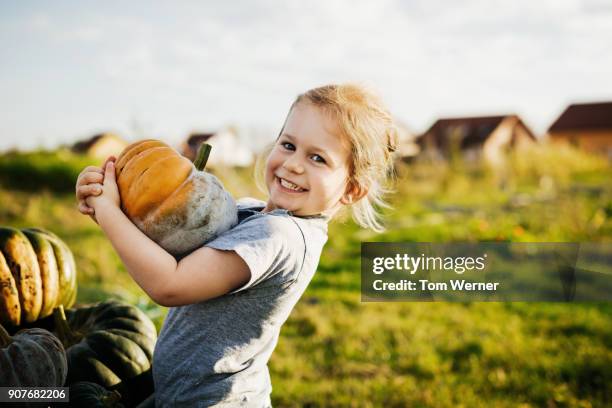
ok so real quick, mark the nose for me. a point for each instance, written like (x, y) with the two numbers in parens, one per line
(293, 164)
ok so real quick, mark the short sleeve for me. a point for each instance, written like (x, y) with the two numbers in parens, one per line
(271, 245)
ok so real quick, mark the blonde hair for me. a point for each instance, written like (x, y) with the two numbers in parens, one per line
(367, 125)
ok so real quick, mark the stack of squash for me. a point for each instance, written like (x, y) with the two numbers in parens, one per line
(102, 351)
(37, 274)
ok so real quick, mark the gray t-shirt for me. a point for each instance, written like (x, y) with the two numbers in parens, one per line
(216, 352)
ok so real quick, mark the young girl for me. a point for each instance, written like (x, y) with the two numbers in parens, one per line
(229, 298)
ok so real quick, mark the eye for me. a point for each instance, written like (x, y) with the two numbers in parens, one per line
(288, 146)
(318, 159)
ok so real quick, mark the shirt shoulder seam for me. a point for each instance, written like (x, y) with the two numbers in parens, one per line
(305, 248)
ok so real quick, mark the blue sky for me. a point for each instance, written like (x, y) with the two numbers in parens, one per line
(164, 69)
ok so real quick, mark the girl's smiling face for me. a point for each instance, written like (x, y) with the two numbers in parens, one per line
(308, 169)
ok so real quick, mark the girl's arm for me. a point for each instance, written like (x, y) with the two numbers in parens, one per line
(204, 274)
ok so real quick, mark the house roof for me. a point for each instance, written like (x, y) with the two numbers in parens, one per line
(472, 130)
(84, 145)
(196, 139)
(584, 116)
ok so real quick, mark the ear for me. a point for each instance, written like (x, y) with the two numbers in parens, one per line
(354, 192)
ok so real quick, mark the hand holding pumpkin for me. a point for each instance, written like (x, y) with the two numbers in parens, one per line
(109, 190)
(89, 184)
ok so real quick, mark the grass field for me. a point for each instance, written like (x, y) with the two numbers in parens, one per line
(336, 351)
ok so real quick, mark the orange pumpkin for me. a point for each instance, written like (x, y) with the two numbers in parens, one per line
(172, 200)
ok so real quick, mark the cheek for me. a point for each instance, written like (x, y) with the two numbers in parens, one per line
(272, 164)
(273, 158)
(333, 185)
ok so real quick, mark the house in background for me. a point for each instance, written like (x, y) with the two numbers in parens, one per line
(475, 138)
(227, 149)
(587, 126)
(100, 146)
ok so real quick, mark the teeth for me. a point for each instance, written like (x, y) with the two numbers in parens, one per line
(290, 185)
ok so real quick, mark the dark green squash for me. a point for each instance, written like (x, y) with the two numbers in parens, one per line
(92, 395)
(37, 274)
(106, 343)
(136, 389)
(31, 358)
(149, 402)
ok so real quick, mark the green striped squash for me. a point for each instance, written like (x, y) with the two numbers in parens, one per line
(37, 274)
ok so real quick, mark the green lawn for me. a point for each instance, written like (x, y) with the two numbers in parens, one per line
(336, 351)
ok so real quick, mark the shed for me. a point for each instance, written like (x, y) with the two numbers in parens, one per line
(100, 146)
(587, 126)
(481, 137)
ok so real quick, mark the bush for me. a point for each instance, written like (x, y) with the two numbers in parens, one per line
(42, 170)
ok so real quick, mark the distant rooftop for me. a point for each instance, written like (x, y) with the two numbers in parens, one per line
(84, 145)
(584, 116)
(474, 130)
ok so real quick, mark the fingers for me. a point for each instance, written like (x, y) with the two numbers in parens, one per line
(84, 209)
(90, 174)
(109, 174)
(91, 177)
(92, 168)
(82, 192)
(108, 159)
(88, 170)
(89, 183)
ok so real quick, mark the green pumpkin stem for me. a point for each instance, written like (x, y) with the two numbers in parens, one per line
(5, 338)
(64, 332)
(109, 400)
(202, 156)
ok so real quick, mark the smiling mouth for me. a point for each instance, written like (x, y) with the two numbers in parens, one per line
(287, 185)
